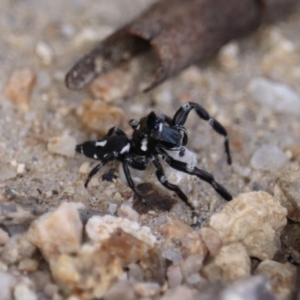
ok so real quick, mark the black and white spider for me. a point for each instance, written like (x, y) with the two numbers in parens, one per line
(152, 137)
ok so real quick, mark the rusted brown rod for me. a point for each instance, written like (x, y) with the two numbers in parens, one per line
(180, 33)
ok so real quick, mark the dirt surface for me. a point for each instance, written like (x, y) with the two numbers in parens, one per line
(48, 36)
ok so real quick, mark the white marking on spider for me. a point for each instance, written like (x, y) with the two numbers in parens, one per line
(81, 150)
(95, 156)
(211, 121)
(163, 179)
(186, 106)
(125, 149)
(129, 159)
(190, 166)
(101, 143)
(144, 144)
(161, 125)
(134, 124)
(214, 184)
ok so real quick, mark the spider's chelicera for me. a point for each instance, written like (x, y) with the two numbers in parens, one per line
(152, 137)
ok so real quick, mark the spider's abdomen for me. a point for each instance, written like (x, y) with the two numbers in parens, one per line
(120, 144)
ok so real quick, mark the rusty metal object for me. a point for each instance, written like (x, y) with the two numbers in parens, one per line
(276, 10)
(180, 33)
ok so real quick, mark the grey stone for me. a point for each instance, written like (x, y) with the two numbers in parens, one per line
(276, 96)
(268, 158)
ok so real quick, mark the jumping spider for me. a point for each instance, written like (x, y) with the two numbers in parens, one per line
(151, 137)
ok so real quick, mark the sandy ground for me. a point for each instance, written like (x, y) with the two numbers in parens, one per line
(49, 36)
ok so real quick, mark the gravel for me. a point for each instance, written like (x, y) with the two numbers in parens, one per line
(252, 88)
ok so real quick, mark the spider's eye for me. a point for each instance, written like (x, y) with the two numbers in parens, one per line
(134, 124)
(156, 126)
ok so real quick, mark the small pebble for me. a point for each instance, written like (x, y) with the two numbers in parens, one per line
(3, 237)
(179, 293)
(100, 228)
(3, 267)
(112, 208)
(73, 297)
(228, 55)
(282, 277)
(146, 289)
(275, 96)
(120, 290)
(17, 248)
(194, 280)
(63, 145)
(174, 228)
(57, 232)
(287, 191)
(19, 88)
(255, 287)
(44, 52)
(191, 265)
(7, 283)
(20, 168)
(234, 262)
(174, 275)
(268, 158)
(126, 211)
(171, 255)
(135, 273)
(22, 292)
(193, 243)
(28, 265)
(89, 36)
(50, 289)
(211, 240)
(178, 210)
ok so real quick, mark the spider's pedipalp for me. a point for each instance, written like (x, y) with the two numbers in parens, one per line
(134, 124)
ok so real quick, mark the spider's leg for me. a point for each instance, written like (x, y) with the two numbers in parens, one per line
(185, 134)
(106, 159)
(182, 113)
(114, 131)
(193, 170)
(126, 163)
(160, 174)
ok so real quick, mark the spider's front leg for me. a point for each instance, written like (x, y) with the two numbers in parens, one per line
(105, 160)
(128, 161)
(193, 170)
(114, 131)
(182, 113)
(160, 174)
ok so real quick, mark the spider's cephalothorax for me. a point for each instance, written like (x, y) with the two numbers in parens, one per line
(152, 137)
